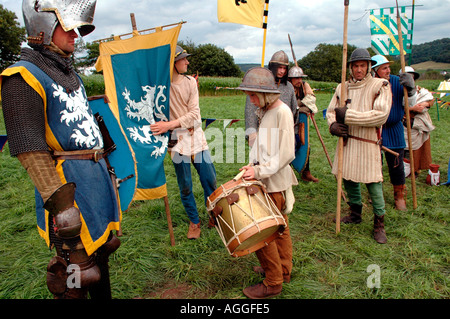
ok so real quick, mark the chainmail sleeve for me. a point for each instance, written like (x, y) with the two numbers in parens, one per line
(23, 112)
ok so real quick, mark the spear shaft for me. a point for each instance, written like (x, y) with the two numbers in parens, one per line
(408, 122)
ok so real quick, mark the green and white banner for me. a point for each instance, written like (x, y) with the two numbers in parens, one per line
(384, 31)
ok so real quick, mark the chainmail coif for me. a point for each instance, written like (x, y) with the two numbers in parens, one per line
(60, 69)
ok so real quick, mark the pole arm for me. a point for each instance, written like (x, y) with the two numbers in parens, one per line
(408, 122)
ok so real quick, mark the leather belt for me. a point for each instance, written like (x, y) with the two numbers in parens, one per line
(94, 155)
(379, 142)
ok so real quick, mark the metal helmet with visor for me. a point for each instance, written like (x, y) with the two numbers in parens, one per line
(42, 16)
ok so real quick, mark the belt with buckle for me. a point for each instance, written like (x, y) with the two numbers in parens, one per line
(94, 155)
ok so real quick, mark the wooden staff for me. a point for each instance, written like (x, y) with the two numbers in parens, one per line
(408, 122)
(342, 100)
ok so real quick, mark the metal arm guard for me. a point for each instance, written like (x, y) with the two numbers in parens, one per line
(67, 216)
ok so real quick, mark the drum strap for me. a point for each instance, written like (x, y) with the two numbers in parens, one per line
(279, 200)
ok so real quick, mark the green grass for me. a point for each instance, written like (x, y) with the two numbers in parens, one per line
(413, 264)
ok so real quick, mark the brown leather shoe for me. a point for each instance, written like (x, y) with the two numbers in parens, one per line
(307, 177)
(261, 291)
(194, 231)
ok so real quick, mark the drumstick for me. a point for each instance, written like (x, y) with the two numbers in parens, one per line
(239, 176)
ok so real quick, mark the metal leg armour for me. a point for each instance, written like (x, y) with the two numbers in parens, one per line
(102, 289)
(72, 272)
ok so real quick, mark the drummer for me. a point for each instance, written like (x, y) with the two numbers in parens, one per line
(273, 150)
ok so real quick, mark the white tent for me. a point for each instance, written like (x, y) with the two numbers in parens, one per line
(444, 86)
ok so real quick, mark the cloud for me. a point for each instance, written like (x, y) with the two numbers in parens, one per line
(308, 22)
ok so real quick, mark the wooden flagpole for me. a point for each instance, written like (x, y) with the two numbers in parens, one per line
(266, 16)
(342, 100)
(408, 122)
(139, 31)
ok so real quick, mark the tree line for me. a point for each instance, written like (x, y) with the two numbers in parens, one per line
(321, 64)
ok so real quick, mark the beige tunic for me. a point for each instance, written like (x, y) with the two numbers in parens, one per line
(369, 108)
(274, 149)
(422, 127)
(184, 106)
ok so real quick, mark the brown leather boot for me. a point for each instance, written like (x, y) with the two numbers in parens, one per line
(307, 177)
(400, 197)
(355, 215)
(194, 231)
(379, 234)
(261, 291)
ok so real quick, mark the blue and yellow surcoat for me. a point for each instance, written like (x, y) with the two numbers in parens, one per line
(70, 125)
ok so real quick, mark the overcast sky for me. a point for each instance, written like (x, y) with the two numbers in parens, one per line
(309, 23)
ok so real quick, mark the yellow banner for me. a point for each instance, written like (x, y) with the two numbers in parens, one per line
(247, 12)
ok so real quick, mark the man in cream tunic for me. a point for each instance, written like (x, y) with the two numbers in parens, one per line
(367, 108)
(270, 156)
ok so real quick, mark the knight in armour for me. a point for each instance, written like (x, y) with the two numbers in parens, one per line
(62, 149)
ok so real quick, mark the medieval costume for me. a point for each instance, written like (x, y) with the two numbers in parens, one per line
(368, 106)
(421, 127)
(270, 157)
(188, 139)
(62, 150)
(306, 102)
(392, 131)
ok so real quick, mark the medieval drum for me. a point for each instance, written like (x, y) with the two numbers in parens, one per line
(244, 216)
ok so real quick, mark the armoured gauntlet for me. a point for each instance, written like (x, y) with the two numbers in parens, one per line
(67, 216)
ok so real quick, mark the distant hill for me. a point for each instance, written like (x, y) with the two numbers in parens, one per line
(423, 56)
(431, 65)
(437, 51)
(247, 66)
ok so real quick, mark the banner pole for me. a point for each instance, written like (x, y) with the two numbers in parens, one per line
(408, 122)
(266, 15)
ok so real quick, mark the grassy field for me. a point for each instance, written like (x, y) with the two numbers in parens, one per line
(414, 264)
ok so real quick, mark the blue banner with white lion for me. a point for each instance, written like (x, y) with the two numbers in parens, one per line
(137, 74)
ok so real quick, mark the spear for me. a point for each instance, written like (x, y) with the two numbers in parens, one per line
(408, 123)
(342, 100)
